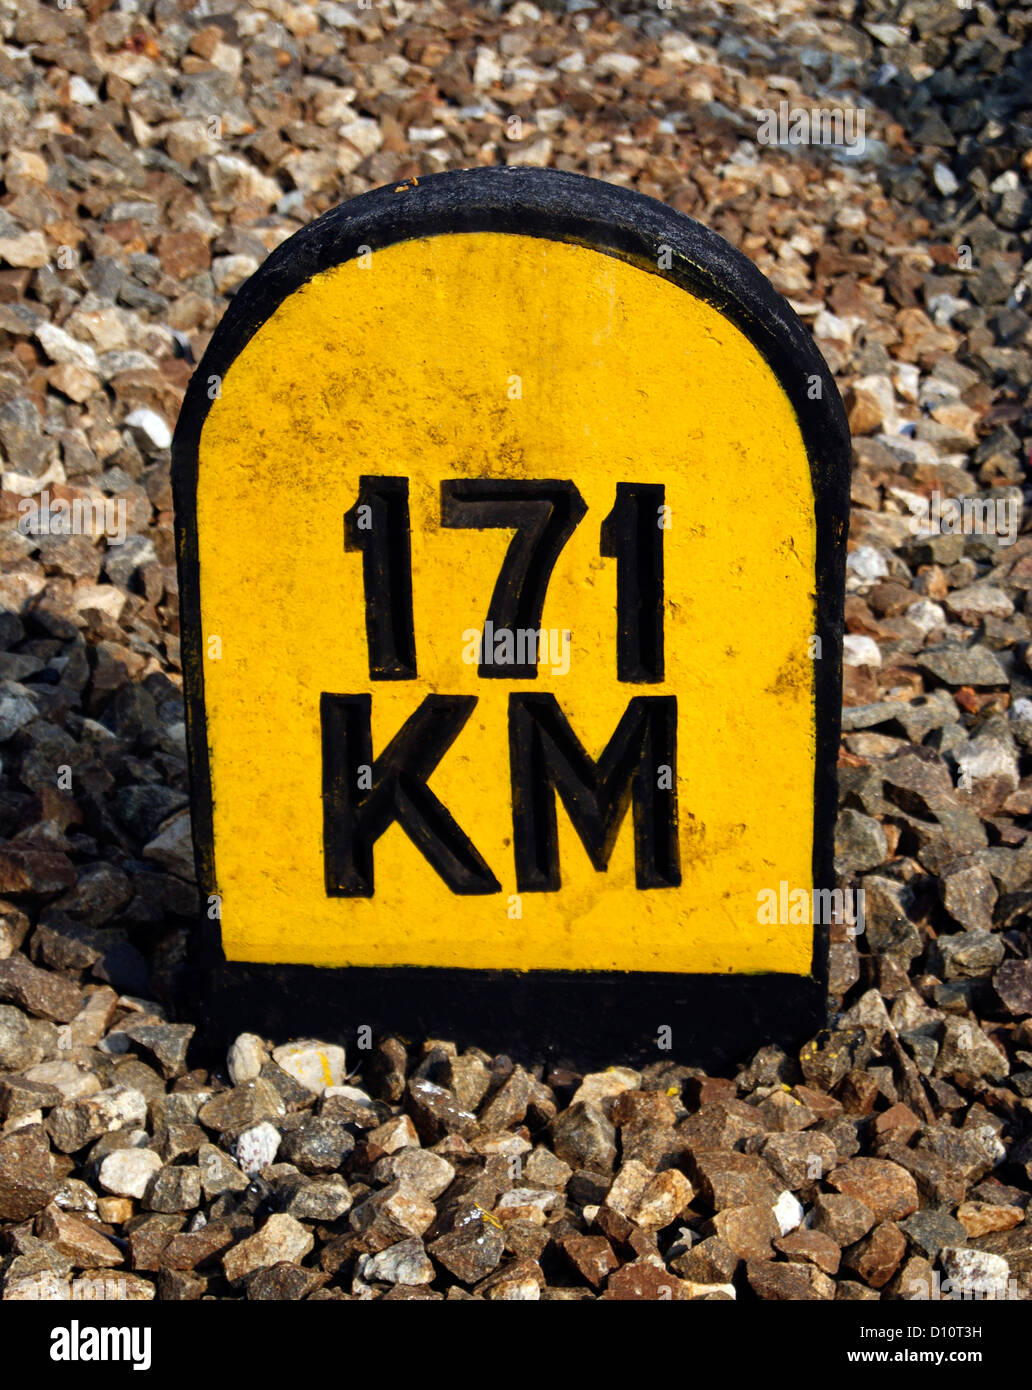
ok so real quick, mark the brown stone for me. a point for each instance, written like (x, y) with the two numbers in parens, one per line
(519, 1281)
(825, 1107)
(883, 1186)
(27, 1177)
(79, 1239)
(40, 992)
(508, 1105)
(845, 1219)
(1013, 983)
(877, 1257)
(183, 254)
(244, 1105)
(785, 1113)
(189, 1251)
(643, 1282)
(748, 1231)
(591, 1256)
(800, 1159)
(35, 871)
(980, 1218)
(470, 1252)
(788, 1282)
(898, 1124)
(148, 1241)
(719, 1126)
(391, 1215)
(812, 1247)
(733, 1179)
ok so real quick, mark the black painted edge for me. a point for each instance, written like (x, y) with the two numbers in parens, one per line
(723, 1016)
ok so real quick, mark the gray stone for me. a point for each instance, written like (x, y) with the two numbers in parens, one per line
(404, 1263)
(965, 1048)
(859, 842)
(970, 955)
(928, 1231)
(583, 1137)
(174, 1189)
(959, 666)
(969, 896)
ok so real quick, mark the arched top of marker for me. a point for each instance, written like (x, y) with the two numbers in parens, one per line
(555, 206)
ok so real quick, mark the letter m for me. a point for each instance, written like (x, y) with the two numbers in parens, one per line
(547, 757)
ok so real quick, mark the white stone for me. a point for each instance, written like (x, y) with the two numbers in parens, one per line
(152, 425)
(788, 1212)
(866, 564)
(227, 57)
(246, 1058)
(60, 346)
(979, 601)
(678, 48)
(693, 1290)
(828, 325)
(27, 250)
(527, 1203)
(487, 70)
(945, 180)
(234, 178)
(879, 387)
(926, 615)
(316, 1065)
(257, 1147)
(188, 140)
(598, 1086)
(620, 64)
(858, 650)
(354, 1093)
(80, 91)
(907, 380)
(535, 154)
(364, 133)
(127, 1172)
(985, 757)
(73, 1080)
(404, 1263)
(43, 1287)
(103, 598)
(975, 1273)
(230, 271)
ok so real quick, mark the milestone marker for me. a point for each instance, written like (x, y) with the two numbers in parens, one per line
(511, 512)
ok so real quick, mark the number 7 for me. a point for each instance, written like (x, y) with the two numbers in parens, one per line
(544, 513)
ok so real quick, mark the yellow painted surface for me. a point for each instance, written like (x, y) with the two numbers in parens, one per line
(405, 368)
